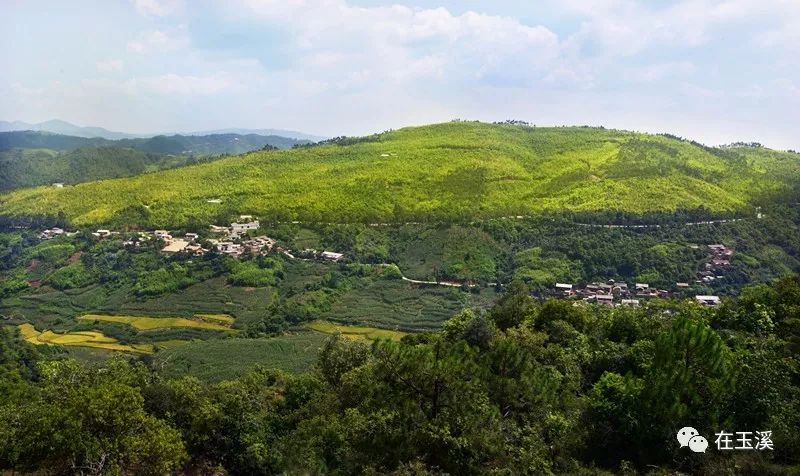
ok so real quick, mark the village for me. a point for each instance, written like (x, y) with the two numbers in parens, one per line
(235, 240)
(240, 239)
(612, 293)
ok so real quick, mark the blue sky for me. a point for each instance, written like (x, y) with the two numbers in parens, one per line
(712, 70)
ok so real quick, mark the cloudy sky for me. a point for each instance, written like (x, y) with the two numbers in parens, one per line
(712, 70)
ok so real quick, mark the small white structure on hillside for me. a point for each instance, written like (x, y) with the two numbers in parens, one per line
(708, 300)
(564, 289)
(331, 256)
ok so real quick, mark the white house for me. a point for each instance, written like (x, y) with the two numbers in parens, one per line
(241, 228)
(564, 289)
(708, 300)
(330, 255)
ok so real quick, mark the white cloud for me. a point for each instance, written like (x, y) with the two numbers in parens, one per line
(160, 41)
(110, 66)
(159, 8)
(396, 43)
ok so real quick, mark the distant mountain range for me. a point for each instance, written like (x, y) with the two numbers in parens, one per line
(30, 158)
(58, 126)
(176, 144)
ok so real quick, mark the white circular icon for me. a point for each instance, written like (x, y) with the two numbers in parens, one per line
(698, 444)
(685, 434)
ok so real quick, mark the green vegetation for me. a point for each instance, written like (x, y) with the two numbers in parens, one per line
(224, 359)
(444, 172)
(30, 159)
(32, 167)
(255, 273)
(526, 387)
(211, 144)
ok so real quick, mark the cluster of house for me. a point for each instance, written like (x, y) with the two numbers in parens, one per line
(258, 245)
(231, 241)
(612, 293)
(719, 259)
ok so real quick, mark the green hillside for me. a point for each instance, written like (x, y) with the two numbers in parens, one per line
(210, 144)
(451, 171)
(33, 167)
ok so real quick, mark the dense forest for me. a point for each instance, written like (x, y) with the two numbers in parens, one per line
(522, 388)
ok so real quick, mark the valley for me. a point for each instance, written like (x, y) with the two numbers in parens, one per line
(283, 264)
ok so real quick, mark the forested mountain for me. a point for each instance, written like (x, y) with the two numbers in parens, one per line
(33, 167)
(57, 126)
(455, 171)
(175, 144)
(29, 159)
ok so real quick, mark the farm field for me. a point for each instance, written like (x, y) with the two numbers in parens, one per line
(143, 323)
(51, 307)
(355, 332)
(398, 305)
(443, 172)
(92, 339)
(222, 359)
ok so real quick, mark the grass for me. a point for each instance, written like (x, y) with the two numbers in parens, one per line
(143, 323)
(448, 172)
(223, 359)
(91, 339)
(355, 332)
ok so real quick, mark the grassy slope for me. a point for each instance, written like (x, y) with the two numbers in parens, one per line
(447, 171)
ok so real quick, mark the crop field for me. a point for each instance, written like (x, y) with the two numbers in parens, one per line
(355, 332)
(223, 359)
(398, 305)
(442, 172)
(143, 323)
(214, 297)
(211, 297)
(92, 339)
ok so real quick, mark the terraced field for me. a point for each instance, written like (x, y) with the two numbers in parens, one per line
(143, 323)
(355, 332)
(92, 339)
(398, 305)
(222, 359)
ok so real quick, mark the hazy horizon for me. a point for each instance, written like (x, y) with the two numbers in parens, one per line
(716, 71)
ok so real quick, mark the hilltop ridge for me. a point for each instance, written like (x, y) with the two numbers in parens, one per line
(449, 171)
